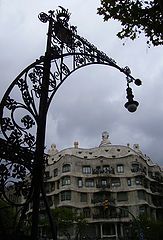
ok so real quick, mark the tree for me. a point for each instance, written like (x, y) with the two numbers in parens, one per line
(9, 223)
(136, 16)
(151, 229)
(66, 219)
(7, 220)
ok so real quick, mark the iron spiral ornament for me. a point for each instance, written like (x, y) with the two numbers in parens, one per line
(25, 105)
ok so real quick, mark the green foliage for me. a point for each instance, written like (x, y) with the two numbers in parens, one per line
(66, 217)
(7, 219)
(136, 16)
(152, 230)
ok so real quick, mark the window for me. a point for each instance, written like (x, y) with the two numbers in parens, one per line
(103, 182)
(120, 168)
(141, 195)
(55, 172)
(66, 180)
(135, 167)
(108, 229)
(129, 181)
(145, 182)
(115, 182)
(86, 212)
(106, 168)
(142, 210)
(83, 197)
(80, 182)
(47, 174)
(89, 183)
(138, 181)
(124, 212)
(97, 170)
(66, 168)
(52, 186)
(122, 196)
(86, 169)
(66, 196)
(47, 187)
(50, 202)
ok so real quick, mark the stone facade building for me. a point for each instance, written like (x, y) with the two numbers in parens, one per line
(110, 185)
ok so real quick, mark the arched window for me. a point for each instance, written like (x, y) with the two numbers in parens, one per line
(66, 168)
(66, 180)
(66, 196)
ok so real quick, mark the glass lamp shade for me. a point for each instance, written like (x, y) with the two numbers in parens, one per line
(131, 106)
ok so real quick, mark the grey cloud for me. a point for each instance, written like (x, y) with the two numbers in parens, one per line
(92, 99)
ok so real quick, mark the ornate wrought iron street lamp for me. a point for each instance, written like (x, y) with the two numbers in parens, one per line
(136, 221)
(24, 107)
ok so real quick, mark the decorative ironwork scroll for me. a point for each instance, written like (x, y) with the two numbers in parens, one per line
(19, 109)
(20, 106)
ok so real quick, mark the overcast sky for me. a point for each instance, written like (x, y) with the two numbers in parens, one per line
(92, 99)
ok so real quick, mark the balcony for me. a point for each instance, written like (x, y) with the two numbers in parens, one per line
(111, 215)
(103, 186)
(157, 178)
(103, 171)
(100, 201)
(158, 203)
(49, 187)
(156, 188)
(47, 176)
(139, 170)
(97, 202)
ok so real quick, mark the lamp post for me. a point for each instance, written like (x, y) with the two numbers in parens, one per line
(140, 232)
(23, 115)
(131, 105)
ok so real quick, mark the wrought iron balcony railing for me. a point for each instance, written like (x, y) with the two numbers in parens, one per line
(103, 171)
